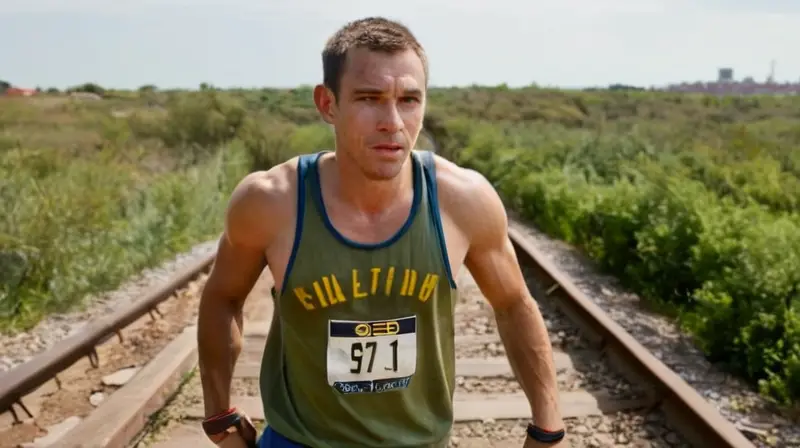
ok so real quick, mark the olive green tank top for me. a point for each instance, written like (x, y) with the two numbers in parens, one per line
(361, 348)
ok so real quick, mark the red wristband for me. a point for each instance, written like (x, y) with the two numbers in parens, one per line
(221, 414)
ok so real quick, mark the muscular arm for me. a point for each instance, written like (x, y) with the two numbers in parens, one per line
(239, 262)
(493, 263)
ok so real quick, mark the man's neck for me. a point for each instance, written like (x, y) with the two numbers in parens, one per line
(367, 195)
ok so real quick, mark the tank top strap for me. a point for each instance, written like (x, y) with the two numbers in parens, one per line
(305, 163)
(429, 168)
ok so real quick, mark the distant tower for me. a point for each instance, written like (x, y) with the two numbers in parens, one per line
(725, 75)
(771, 76)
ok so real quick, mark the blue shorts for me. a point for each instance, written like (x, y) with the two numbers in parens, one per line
(271, 439)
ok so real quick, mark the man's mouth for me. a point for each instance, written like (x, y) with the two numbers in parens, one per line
(389, 147)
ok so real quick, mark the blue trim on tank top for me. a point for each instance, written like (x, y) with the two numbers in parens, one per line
(317, 193)
(302, 168)
(429, 167)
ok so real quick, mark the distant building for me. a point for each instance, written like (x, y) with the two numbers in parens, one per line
(725, 75)
(18, 91)
(726, 85)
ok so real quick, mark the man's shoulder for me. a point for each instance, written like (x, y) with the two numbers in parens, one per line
(273, 190)
(267, 188)
(263, 203)
(463, 192)
(457, 182)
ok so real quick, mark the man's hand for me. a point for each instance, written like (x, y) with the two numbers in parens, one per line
(234, 440)
(244, 434)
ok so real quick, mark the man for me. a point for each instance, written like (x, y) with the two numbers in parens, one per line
(364, 244)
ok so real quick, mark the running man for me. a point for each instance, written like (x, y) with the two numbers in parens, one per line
(365, 243)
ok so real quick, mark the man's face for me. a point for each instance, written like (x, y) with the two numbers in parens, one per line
(379, 112)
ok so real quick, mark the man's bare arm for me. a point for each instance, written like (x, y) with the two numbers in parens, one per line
(239, 262)
(493, 263)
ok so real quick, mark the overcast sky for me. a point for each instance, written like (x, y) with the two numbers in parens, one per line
(277, 43)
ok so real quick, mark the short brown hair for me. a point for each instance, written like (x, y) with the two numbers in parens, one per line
(373, 33)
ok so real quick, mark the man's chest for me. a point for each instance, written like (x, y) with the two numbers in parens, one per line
(369, 277)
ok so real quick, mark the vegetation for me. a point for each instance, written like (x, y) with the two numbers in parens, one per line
(693, 201)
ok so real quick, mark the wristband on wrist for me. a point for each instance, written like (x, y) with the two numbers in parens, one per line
(220, 426)
(543, 435)
(225, 413)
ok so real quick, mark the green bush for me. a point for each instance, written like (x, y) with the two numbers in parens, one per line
(131, 185)
(712, 233)
(83, 226)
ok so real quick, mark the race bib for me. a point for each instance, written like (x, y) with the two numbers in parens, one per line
(371, 357)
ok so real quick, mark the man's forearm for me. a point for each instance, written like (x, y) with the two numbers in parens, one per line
(530, 354)
(219, 340)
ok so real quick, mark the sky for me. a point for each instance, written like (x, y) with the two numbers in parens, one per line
(277, 43)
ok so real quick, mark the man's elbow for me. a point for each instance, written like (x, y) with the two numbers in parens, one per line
(217, 323)
(217, 312)
(512, 303)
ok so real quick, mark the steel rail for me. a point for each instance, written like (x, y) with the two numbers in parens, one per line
(25, 378)
(694, 417)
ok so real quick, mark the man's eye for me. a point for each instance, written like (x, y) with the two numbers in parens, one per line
(410, 99)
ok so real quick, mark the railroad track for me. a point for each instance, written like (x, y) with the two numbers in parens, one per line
(66, 380)
(613, 391)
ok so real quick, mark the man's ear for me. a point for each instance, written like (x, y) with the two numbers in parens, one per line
(326, 103)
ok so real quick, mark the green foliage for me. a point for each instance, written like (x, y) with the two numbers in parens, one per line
(703, 224)
(94, 191)
(269, 141)
(88, 87)
(81, 226)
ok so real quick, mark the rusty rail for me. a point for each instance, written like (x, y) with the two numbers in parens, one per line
(23, 379)
(693, 416)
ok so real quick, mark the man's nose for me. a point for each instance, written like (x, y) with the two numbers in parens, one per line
(390, 121)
